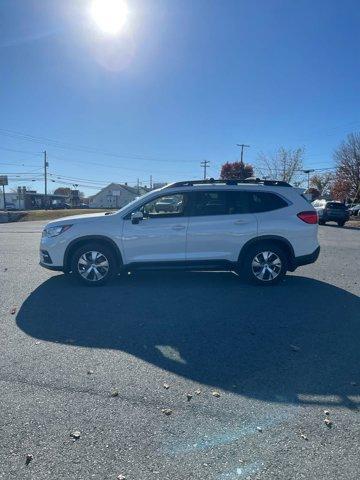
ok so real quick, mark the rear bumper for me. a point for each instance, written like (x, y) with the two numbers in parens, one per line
(334, 218)
(306, 259)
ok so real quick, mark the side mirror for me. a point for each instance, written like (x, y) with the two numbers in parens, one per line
(136, 217)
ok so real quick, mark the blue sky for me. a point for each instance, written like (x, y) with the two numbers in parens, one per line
(185, 81)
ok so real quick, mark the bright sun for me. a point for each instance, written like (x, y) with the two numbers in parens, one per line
(109, 15)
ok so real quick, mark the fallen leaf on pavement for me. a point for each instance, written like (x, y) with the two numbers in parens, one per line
(302, 435)
(189, 397)
(259, 429)
(13, 311)
(29, 457)
(328, 422)
(75, 435)
(166, 411)
(121, 477)
(166, 386)
(90, 372)
(326, 412)
(197, 392)
(215, 394)
(114, 393)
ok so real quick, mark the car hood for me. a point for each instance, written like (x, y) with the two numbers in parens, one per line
(74, 219)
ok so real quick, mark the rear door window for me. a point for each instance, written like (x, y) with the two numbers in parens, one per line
(239, 202)
(209, 203)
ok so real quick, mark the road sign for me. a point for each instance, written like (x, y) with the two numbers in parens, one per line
(3, 180)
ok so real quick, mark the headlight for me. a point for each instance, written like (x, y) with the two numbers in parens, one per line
(55, 231)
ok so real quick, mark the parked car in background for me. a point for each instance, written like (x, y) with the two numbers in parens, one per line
(331, 211)
(261, 228)
(83, 205)
(11, 206)
(355, 210)
(60, 206)
(166, 204)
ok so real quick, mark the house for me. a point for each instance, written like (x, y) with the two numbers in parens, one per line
(115, 195)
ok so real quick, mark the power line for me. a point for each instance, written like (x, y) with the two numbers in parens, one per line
(83, 148)
(19, 164)
(19, 151)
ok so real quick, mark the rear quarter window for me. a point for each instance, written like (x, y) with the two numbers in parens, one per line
(265, 202)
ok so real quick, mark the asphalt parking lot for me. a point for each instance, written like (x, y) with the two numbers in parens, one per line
(279, 357)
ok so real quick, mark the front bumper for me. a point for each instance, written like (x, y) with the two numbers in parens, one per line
(51, 267)
(306, 259)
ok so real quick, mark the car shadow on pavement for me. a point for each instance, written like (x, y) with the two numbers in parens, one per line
(296, 342)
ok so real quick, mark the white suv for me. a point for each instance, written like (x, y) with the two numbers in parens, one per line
(262, 228)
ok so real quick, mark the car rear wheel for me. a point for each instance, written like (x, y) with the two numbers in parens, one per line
(341, 224)
(93, 264)
(265, 264)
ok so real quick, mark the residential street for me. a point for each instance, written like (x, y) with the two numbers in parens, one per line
(278, 357)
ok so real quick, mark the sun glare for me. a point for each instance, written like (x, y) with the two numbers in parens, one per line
(109, 15)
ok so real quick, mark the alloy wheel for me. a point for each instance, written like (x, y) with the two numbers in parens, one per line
(93, 266)
(266, 266)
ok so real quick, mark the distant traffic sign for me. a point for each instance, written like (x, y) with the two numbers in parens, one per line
(3, 180)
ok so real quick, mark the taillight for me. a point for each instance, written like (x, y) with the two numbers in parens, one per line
(308, 217)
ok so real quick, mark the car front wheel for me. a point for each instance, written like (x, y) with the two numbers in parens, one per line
(93, 264)
(265, 264)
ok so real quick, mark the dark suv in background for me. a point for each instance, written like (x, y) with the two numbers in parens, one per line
(331, 212)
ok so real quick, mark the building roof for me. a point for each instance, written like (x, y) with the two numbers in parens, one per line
(121, 186)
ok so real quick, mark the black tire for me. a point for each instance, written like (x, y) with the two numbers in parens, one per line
(321, 222)
(277, 255)
(105, 264)
(341, 224)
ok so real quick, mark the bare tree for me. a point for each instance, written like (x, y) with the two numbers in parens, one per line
(347, 158)
(285, 164)
(322, 182)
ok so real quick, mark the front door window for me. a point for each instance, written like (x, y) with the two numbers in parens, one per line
(166, 206)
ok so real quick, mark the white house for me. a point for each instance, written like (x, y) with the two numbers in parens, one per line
(115, 195)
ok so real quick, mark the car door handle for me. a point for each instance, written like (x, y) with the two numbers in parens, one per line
(178, 227)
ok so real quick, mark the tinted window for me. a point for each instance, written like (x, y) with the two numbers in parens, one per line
(239, 202)
(265, 202)
(209, 203)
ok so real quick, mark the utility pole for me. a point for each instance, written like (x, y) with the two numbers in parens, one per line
(138, 186)
(4, 197)
(308, 174)
(151, 182)
(242, 145)
(205, 164)
(46, 164)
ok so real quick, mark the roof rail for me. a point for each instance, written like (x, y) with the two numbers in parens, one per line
(212, 181)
